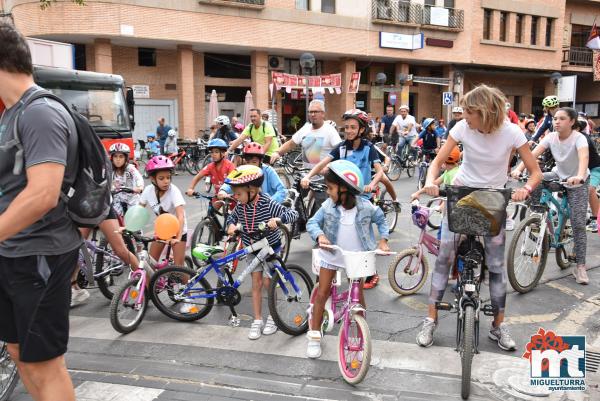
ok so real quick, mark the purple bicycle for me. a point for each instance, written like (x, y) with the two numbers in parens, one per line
(408, 272)
(354, 349)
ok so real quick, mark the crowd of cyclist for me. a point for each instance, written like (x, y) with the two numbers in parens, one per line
(562, 132)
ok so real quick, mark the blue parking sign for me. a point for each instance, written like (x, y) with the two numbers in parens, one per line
(447, 98)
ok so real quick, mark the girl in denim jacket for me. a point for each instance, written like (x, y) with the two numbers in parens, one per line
(344, 219)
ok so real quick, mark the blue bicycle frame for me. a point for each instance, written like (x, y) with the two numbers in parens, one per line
(563, 211)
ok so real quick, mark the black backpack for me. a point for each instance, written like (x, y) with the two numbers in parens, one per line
(88, 198)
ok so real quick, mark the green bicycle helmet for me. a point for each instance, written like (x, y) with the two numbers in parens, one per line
(550, 101)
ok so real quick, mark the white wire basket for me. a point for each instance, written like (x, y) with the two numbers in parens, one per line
(356, 264)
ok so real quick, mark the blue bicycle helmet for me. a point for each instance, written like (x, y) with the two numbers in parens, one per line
(217, 143)
(349, 173)
(428, 122)
(151, 135)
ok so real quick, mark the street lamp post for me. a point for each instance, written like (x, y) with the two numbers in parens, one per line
(402, 79)
(307, 62)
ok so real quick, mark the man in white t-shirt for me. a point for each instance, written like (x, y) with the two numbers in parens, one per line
(406, 125)
(317, 139)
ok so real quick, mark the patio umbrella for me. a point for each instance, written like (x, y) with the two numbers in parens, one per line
(213, 109)
(248, 104)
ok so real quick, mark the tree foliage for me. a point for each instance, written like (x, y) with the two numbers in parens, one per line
(44, 4)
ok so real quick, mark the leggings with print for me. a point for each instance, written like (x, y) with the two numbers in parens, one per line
(578, 203)
(494, 259)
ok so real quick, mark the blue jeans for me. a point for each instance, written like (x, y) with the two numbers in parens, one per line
(405, 141)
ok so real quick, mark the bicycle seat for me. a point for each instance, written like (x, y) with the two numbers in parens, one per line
(203, 251)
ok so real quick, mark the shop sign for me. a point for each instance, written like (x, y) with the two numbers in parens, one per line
(401, 41)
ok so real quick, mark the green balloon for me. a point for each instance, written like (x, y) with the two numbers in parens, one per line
(136, 218)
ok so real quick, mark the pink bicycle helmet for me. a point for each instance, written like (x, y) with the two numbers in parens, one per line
(159, 163)
(420, 217)
(239, 127)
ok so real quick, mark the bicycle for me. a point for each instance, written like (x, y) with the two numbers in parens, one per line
(423, 160)
(484, 214)
(184, 285)
(210, 230)
(405, 160)
(354, 349)
(306, 209)
(390, 210)
(130, 298)
(408, 272)
(529, 247)
(9, 377)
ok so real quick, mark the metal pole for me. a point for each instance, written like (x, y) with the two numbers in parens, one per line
(306, 92)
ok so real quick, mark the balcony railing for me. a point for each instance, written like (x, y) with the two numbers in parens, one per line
(405, 12)
(581, 56)
(236, 3)
(454, 20)
(397, 11)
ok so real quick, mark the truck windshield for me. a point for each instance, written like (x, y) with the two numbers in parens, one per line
(104, 108)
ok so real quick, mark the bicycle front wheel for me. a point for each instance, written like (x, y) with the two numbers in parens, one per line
(288, 306)
(389, 210)
(565, 253)
(435, 216)
(167, 287)
(9, 377)
(467, 350)
(354, 351)
(407, 273)
(205, 233)
(395, 170)
(525, 264)
(286, 241)
(128, 306)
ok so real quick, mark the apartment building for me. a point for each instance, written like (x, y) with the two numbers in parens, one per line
(178, 51)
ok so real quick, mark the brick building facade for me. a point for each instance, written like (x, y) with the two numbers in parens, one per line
(183, 49)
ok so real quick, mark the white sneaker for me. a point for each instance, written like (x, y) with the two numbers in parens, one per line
(510, 224)
(255, 330)
(313, 349)
(270, 327)
(580, 274)
(78, 296)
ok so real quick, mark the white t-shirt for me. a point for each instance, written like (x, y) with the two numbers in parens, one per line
(402, 123)
(347, 238)
(486, 156)
(316, 143)
(168, 202)
(565, 153)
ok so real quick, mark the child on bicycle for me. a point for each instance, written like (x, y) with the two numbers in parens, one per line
(253, 154)
(217, 170)
(164, 197)
(431, 139)
(360, 152)
(345, 219)
(124, 176)
(254, 208)
(171, 147)
(152, 147)
(488, 140)
(571, 153)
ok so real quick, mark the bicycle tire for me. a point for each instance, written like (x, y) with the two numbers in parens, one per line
(120, 293)
(286, 241)
(395, 171)
(176, 274)
(434, 223)
(562, 252)
(285, 179)
(422, 272)
(411, 166)
(190, 165)
(389, 210)
(422, 177)
(466, 351)
(9, 376)
(365, 337)
(105, 284)
(514, 277)
(198, 237)
(300, 319)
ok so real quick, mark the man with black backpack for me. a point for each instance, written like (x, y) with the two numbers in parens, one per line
(39, 241)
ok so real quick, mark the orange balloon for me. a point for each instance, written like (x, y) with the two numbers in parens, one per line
(166, 227)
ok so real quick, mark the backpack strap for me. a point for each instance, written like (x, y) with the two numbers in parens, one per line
(16, 140)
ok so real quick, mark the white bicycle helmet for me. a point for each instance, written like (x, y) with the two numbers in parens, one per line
(119, 148)
(223, 120)
(457, 109)
(172, 133)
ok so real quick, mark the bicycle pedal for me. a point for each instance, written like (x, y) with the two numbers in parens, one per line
(444, 306)
(488, 310)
